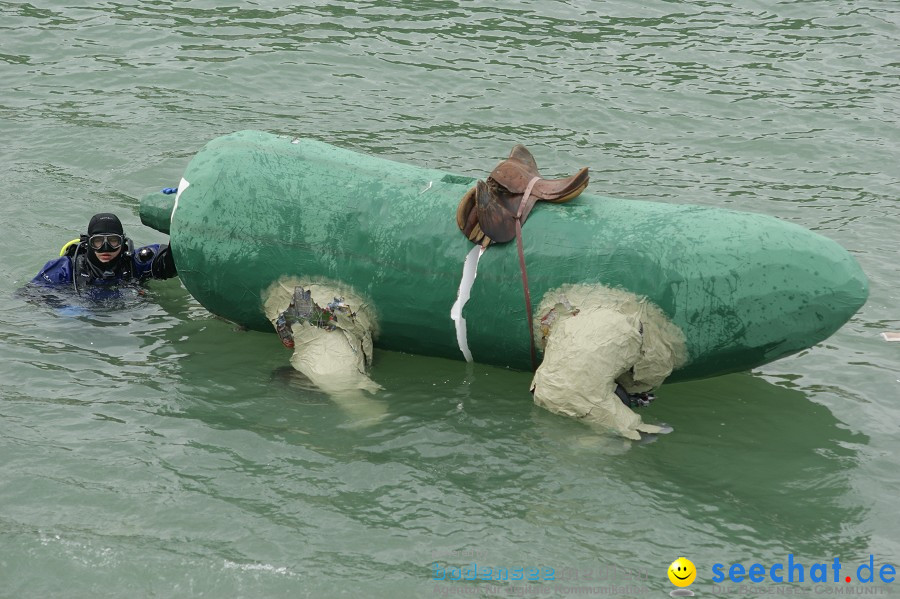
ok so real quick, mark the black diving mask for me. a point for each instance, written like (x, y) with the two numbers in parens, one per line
(108, 242)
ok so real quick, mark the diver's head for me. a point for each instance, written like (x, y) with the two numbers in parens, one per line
(106, 239)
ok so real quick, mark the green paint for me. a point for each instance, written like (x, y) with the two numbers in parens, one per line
(745, 289)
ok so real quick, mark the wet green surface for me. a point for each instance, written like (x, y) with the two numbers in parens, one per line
(743, 289)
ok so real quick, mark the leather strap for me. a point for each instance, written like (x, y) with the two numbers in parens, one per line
(527, 203)
(521, 215)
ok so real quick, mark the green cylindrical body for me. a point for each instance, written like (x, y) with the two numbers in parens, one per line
(745, 289)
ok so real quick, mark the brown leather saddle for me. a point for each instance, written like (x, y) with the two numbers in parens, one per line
(489, 211)
(494, 211)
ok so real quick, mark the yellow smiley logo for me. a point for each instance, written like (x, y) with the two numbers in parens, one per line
(682, 572)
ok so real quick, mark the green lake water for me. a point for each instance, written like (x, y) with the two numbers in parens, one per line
(151, 450)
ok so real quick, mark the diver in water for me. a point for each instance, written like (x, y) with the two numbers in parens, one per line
(106, 257)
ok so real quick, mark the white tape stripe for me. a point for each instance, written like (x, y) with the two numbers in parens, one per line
(181, 187)
(470, 271)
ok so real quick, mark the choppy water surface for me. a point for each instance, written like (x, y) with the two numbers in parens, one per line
(153, 450)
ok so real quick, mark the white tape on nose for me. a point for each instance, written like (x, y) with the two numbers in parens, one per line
(470, 271)
(181, 187)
